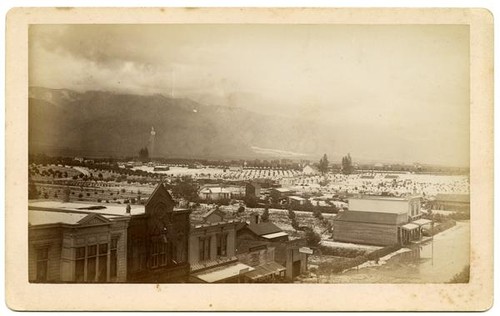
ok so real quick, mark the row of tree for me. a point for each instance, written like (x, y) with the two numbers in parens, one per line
(347, 166)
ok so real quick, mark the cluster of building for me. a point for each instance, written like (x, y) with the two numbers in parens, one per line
(155, 243)
(160, 243)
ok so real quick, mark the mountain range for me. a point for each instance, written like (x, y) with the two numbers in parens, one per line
(109, 124)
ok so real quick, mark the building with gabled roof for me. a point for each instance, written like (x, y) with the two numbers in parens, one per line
(212, 242)
(380, 221)
(265, 231)
(310, 170)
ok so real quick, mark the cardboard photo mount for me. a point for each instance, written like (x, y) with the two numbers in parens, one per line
(477, 295)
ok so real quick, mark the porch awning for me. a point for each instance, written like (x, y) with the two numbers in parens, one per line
(422, 221)
(410, 226)
(264, 270)
(222, 273)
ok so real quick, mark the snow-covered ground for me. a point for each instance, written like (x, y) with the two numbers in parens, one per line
(381, 261)
(336, 244)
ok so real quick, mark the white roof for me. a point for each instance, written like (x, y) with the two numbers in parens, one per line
(298, 198)
(222, 273)
(215, 190)
(422, 221)
(410, 226)
(47, 217)
(80, 207)
(283, 189)
(275, 235)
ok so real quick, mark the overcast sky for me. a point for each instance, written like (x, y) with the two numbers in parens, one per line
(393, 92)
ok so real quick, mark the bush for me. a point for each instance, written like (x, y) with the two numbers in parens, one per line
(312, 238)
(342, 252)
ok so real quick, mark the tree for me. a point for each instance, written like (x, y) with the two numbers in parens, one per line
(265, 215)
(312, 238)
(347, 164)
(323, 164)
(186, 188)
(144, 154)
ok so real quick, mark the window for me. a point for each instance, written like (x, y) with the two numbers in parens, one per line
(42, 264)
(158, 253)
(222, 245)
(91, 263)
(113, 267)
(80, 264)
(103, 263)
(204, 246)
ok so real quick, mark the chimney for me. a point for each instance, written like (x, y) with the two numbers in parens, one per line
(127, 210)
(254, 218)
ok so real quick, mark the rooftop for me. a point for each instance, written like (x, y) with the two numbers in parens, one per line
(264, 228)
(223, 272)
(282, 190)
(87, 207)
(83, 207)
(382, 197)
(275, 235)
(48, 217)
(368, 217)
(296, 198)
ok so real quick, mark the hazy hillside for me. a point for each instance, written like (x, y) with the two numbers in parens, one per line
(97, 123)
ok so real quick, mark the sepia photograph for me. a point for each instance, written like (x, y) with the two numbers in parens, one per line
(286, 153)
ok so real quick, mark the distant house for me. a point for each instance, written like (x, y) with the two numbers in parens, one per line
(380, 221)
(217, 192)
(278, 194)
(452, 202)
(214, 193)
(294, 200)
(252, 190)
(161, 168)
(235, 168)
(310, 170)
